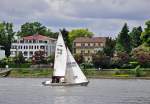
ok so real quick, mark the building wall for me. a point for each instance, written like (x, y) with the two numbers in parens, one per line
(28, 48)
(88, 49)
(2, 54)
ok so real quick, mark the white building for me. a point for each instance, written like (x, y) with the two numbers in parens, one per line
(2, 53)
(30, 44)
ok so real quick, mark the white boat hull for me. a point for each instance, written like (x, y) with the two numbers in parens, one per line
(48, 83)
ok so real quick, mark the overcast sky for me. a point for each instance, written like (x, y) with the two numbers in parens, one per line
(103, 17)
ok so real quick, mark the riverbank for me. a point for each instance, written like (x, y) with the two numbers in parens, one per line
(90, 73)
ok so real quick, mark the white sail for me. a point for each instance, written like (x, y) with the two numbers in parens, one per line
(60, 57)
(73, 71)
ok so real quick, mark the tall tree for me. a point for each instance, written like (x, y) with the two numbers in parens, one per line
(135, 37)
(79, 33)
(65, 35)
(146, 34)
(34, 28)
(123, 40)
(109, 46)
(6, 36)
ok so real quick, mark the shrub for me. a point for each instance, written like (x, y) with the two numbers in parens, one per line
(86, 65)
(120, 61)
(79, 58)
(100, 60)
(142, 56)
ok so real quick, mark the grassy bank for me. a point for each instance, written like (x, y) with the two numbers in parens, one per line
(91, 73)
(22, 72)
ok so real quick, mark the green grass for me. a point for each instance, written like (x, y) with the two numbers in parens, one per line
(31, 73)
(38, 73)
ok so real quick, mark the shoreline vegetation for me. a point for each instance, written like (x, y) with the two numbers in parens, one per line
(137, 73)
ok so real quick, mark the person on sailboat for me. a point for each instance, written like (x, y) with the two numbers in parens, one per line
(55, 79)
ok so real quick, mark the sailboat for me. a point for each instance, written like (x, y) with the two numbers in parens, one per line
(66, 70)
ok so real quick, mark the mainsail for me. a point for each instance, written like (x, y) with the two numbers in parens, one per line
(60, 57)
(73, 71)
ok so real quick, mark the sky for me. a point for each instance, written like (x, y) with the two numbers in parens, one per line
(102, 17)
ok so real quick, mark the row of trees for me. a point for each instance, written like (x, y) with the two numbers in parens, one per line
(119, 52)
(127, 50)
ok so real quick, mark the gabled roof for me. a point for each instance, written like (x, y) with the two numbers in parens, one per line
(92, 40)
(37, 37)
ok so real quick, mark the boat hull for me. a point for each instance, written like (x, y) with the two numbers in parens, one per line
(65, 84)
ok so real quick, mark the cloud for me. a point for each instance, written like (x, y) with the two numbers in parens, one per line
(103, 17)
(121, 9)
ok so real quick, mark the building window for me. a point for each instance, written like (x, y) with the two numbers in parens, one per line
(82, 51)
(34, 41)
(42, 47)
(40, 41)
(25, 53)
(88, 44)
(88, 51)
(34, 47)
(37, 47)
(26, 41)
(31, 53)
(30, 41)
(24, 47)
(82, 44)
(94, 44)
(21, 41)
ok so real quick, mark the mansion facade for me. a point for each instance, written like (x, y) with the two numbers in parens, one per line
(30, 44)
(88, 46)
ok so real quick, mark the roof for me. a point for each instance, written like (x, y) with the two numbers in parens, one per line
(37, 37)
(87, 39)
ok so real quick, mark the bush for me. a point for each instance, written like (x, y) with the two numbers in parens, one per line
(100, 60)
(142, 56)
(120, 61)
(86, 65)
(24, 65)
(79, 58)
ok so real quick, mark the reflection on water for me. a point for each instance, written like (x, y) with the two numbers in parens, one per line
(99, 91)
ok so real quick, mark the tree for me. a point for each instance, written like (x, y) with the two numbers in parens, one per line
(135, 37)
(100, 60)
(120, 61)
(51, 58)
(79, 58)
(32, 28)
(65, 35)
(146, 34)
(19, 59)
(6, 36)
(123, 40)
(79, 33)
(109, 47)
(142, 55)
(39, 58)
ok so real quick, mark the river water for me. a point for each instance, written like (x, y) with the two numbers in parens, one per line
(99, 91)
